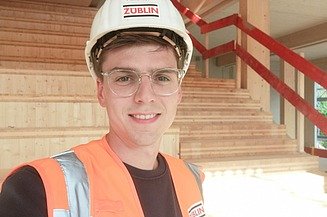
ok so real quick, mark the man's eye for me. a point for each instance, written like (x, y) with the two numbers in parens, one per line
(163, 78)
(123, 79)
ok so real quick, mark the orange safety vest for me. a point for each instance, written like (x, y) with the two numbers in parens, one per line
(90, 180)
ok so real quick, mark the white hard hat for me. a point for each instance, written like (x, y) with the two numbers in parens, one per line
(136, 15)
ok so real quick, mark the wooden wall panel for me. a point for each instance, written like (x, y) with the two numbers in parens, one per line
(47, 98)
(15, 151)
(45, 115)
(68, 87)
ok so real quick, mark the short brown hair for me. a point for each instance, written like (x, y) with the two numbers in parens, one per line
(136, 38)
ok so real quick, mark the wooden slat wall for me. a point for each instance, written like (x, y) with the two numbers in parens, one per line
(47, 98)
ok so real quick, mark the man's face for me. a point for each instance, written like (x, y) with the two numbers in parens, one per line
(142, 118)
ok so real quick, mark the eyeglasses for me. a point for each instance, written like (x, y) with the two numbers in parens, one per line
(126, 82)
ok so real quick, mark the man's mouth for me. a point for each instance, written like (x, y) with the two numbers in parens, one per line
(144, 116)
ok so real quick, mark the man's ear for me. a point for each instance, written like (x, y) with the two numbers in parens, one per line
(101, 93)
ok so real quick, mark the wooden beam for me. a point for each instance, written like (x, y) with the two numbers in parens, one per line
(300, 89)
(199, 6)
(194, 5)
(210, 7)
(305, 37)
(220, 5)
(287, 73)
(321, 63)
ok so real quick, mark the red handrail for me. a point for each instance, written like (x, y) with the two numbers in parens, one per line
(303, 106)
(316, 151)
(307, 68)
(304, 66)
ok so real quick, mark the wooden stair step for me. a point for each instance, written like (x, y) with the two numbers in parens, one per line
(14, 12)
(231, 127)
(209, 90)
(244, 143)
(219, 134)
(236, 152)
(269, 139)
(207, 113)
(43, 72)
(227, 142)
(215, 110)
(194, 74)
(42, 85)
(220, 150)
(52, 26)
(216, 100)
(41, 64)
(237, 143)
(63, 114)
(209, 148)
(217, 105)
(208, 84)
(45, 52)
(215, 91)
(214, 95)
(260, 164)
(190, 81)
(52, 132)
(45, 6)
(195, 80)
(220, 119)
(48, 98)
(16, 36)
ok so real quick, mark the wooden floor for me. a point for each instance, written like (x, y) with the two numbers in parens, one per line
(48, 103)
(254, 194)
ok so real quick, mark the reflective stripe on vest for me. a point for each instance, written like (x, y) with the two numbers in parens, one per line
(197, 175)
(77, 186)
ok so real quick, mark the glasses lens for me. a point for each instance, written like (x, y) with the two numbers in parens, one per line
(123, 82)
(165, 81)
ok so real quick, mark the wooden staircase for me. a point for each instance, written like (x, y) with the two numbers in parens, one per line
(48, 102)
(222, 128)
(43, 36)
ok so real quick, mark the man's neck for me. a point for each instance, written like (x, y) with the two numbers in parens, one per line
(142, 157)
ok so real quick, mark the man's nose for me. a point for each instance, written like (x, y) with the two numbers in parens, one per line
(145, 91)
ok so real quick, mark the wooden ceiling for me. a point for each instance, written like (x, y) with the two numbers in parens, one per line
(206, 7)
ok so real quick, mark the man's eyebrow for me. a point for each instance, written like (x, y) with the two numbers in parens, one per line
(123, 68)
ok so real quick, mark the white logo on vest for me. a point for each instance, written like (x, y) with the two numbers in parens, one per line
(196, 210)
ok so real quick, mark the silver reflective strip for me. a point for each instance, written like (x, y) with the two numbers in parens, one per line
(77, 184)
(197, 174)
(60, 213)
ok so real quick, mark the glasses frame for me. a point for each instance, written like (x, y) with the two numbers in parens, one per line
(180, 73)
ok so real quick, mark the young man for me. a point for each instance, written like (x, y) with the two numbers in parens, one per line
(138, 53)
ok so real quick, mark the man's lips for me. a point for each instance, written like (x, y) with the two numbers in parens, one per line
(144, 116)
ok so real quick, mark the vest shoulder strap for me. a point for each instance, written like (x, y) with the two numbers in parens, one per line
(187, 180)
(55, 186)
(198, 175)
(77, 184)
